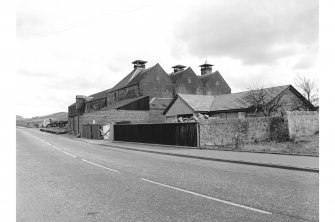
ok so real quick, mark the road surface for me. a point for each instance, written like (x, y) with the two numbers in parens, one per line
(61, 179)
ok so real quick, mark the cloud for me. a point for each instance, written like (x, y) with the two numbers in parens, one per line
(255, 32)
(305, 62)
(27, 24)
(23, 72)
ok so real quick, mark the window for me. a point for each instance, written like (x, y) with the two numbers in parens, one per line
(217, 83)
(189, 80)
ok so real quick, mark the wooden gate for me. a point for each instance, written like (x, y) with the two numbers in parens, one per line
(91, 131)
(181, 134)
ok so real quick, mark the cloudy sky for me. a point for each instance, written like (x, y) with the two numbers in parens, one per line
(70, 47)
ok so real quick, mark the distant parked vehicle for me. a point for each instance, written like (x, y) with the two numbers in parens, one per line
(46, 123)
(50, 123)
(62, 123)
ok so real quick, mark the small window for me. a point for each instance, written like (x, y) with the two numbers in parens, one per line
(189, 80)
(217, 83)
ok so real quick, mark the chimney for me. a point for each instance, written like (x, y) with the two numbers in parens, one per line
(206, 68)
(80, 101)
(178, 68)
(139, 64)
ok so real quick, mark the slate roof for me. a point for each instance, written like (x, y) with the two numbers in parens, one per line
(177, 75)
(233, 101)
(160, 103)
(205, 78)
(198, 102)
(122, 103)
(99, 95)
(237, 100)
(133, 77)
(96, 96)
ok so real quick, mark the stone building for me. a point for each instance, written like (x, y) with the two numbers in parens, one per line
(234, 105)
(154, 83)
(213, 83)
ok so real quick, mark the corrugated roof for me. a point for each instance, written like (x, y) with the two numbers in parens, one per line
(198, 102)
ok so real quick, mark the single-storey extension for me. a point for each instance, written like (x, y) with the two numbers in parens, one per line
(236, 105)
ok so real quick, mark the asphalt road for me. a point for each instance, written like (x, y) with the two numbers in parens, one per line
(60, 179)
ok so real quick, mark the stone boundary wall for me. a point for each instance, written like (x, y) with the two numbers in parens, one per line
(112, 116)
(156, 116)
(234, 131)
(302, 123)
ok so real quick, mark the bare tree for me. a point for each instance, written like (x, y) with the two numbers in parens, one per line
(308, 88)
(261, 101)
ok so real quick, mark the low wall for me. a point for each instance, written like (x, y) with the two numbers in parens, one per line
(234, 131)
(303, 123)
(112, 116)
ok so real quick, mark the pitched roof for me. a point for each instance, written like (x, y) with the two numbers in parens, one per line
(175, 76)
(237, 100)
(233, 101)
(99, 95)
(160, 103)
(205, 78)
(122, 103)
(133, 77)
(198, 102)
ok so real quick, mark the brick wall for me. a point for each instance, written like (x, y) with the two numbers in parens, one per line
(108, 116)
(303, 123)
(222, 132)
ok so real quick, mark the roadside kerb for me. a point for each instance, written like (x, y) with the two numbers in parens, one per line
(279, 166)
(287, 167)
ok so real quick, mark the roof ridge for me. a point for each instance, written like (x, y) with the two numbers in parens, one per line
(138, 70)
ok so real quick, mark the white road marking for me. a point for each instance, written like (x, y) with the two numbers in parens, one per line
(164, 185)
(55, 147)
(69, 154)
(74, 155)
(208, 197)
(99, 165)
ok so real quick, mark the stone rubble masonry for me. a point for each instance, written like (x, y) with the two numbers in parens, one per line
(235, 131)
(156, 116)
(303, 123)
(112, 116)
